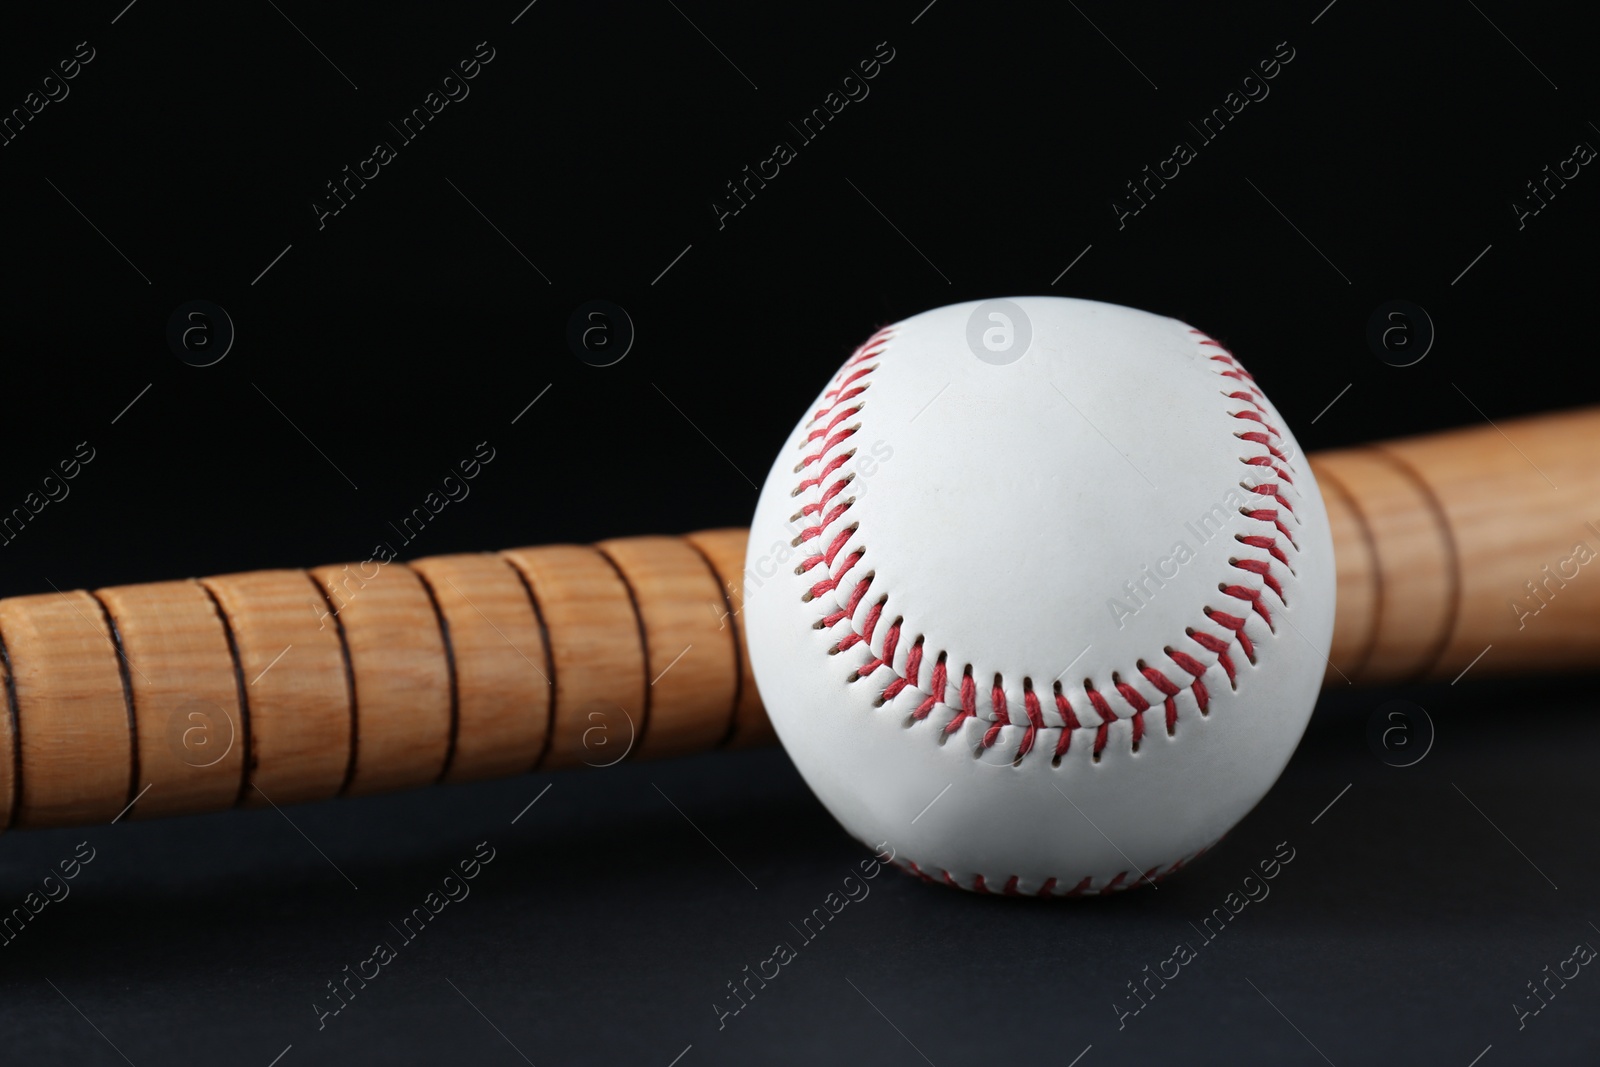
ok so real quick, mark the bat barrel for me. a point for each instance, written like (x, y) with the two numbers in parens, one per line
(1466, 544)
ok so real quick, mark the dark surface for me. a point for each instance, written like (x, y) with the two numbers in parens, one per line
(408, 330)
(606, 927)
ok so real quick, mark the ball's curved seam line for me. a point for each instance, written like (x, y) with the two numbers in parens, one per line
(844, 400)
(1010, 885)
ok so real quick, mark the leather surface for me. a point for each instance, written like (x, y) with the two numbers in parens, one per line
(1072, 516)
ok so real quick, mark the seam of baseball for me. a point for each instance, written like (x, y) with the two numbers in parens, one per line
(826, 450)
(1010, 885)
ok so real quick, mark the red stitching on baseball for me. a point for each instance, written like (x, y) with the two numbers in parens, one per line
(1030, 702)
(1168, 690)
(1268, 543)
(842, 402)
(1050, 887)
(1069, 724)
(833, 464)
(969, 702)
(837, 419)
(1256, 437)
(937, 690)
(1002, 717)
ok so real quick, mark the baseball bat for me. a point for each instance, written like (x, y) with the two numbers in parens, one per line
(1457, 550)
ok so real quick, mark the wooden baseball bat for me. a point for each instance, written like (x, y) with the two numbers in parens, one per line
(1455, 550)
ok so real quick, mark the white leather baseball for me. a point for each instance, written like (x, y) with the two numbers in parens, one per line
(1049, 620)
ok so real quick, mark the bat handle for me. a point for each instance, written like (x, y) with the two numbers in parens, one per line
(290, 685)
(1468, 549)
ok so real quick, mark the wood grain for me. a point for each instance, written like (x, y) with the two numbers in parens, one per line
(298, 721)
(1477, 542)
(596, 653)
(401, 681)
(691, 661)
(502, 667)
(8, 742)
(724, 550)
(75, 743)
(188, 720)
(1412, 595)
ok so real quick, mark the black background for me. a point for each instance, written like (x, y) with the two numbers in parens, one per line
(410, 327)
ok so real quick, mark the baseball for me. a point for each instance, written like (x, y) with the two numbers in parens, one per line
(1039, 595)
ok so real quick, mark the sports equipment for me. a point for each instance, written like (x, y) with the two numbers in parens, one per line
(1456, 551)
(1073, 628)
